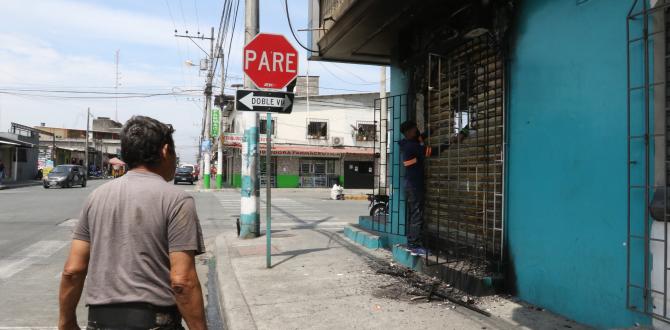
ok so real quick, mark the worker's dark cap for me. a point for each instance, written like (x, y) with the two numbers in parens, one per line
(406, 126)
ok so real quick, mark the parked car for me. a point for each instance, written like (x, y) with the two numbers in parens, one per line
(184, 174)
(65, 176)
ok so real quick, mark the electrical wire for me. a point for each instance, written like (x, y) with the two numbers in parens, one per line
(93, 97)
(230, 45)
(81, 92)
(340, 79)
(290, 26)
(354, 74)
(183, 18)
(223, 28)
(197, 18)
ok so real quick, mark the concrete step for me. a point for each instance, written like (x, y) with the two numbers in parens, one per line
(363, 237)
(405, 257)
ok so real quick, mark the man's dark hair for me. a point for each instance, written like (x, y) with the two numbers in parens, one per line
(142, 139)
(406, 126)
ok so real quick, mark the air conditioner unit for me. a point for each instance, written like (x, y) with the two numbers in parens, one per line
(338, 141)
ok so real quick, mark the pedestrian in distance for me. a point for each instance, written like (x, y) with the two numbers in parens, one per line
(135, 244)
(2, 171)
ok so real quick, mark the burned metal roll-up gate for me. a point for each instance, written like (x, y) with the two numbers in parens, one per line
(464, 196)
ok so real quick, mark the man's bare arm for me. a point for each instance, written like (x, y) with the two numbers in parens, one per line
(186, 287)
(72, 284)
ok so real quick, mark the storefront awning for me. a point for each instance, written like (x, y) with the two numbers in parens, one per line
(297, 150)
(12, 142)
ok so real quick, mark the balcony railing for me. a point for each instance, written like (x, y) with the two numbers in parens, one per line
(331, 10)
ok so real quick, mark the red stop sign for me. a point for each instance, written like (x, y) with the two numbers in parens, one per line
(270, 61)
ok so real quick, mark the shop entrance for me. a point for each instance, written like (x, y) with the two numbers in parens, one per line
(464, 197)
(359, 175)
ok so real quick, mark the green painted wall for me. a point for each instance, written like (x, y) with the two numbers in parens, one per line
(237, 180)
(288, 181)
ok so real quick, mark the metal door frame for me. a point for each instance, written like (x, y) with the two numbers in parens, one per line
(641, 39)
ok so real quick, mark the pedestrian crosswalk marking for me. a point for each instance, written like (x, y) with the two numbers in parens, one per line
(23, 259)
(287, 213)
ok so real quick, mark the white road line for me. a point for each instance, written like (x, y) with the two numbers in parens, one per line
(28, 328)
(23, 259)
(68, 223)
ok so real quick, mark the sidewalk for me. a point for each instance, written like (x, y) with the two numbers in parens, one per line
(20, 184)
(321, 280)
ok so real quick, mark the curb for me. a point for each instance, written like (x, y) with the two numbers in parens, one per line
(358, 197)
(234, 308)
(20, 185)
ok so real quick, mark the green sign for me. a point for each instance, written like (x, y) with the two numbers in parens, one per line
(216, 121)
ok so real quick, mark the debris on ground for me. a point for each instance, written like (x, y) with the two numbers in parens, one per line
(414, 287)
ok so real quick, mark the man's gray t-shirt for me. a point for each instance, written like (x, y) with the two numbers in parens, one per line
(132, 224)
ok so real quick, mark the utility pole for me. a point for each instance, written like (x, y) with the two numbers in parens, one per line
(219, 147)
(88, 115)
(250, 224)
(383, 135)
(208, 110)
(206, 138)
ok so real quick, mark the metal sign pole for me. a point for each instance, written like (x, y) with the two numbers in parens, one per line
(268, 188)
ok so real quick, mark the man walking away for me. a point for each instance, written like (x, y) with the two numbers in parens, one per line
(136, 242)
(414, 152)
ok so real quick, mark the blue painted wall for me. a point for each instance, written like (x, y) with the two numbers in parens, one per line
(399, 86)
(567, 190)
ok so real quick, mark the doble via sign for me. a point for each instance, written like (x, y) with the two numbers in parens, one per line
(254, 100)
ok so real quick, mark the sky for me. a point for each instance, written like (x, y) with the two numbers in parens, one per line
(71, 45)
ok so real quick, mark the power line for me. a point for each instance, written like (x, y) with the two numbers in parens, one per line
(340, 79)
(290, 26)
(167, 3)
(197, 18)
(354, 74)
(181, 9)
(111, 97)
(230, 46)
(173, 90)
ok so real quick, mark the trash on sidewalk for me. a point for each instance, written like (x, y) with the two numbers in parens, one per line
(420, 285)
(337, 192)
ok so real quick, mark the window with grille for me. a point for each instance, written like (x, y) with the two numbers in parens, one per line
(317, 130)
(317, 166)
(305, 168)
(365, 132)
(263, 126)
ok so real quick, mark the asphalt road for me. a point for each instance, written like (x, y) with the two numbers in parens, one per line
(36, 224)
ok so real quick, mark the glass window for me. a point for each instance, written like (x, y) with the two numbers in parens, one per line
(317, 130)
(365, 132)
(305, 168)
(320, 168)
(331, 166)
(262, 126)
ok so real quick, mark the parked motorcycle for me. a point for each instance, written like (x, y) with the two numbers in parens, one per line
(379, 205)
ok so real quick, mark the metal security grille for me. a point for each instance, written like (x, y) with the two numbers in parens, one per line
(464, 200)
(648, 65)
(388, 114)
